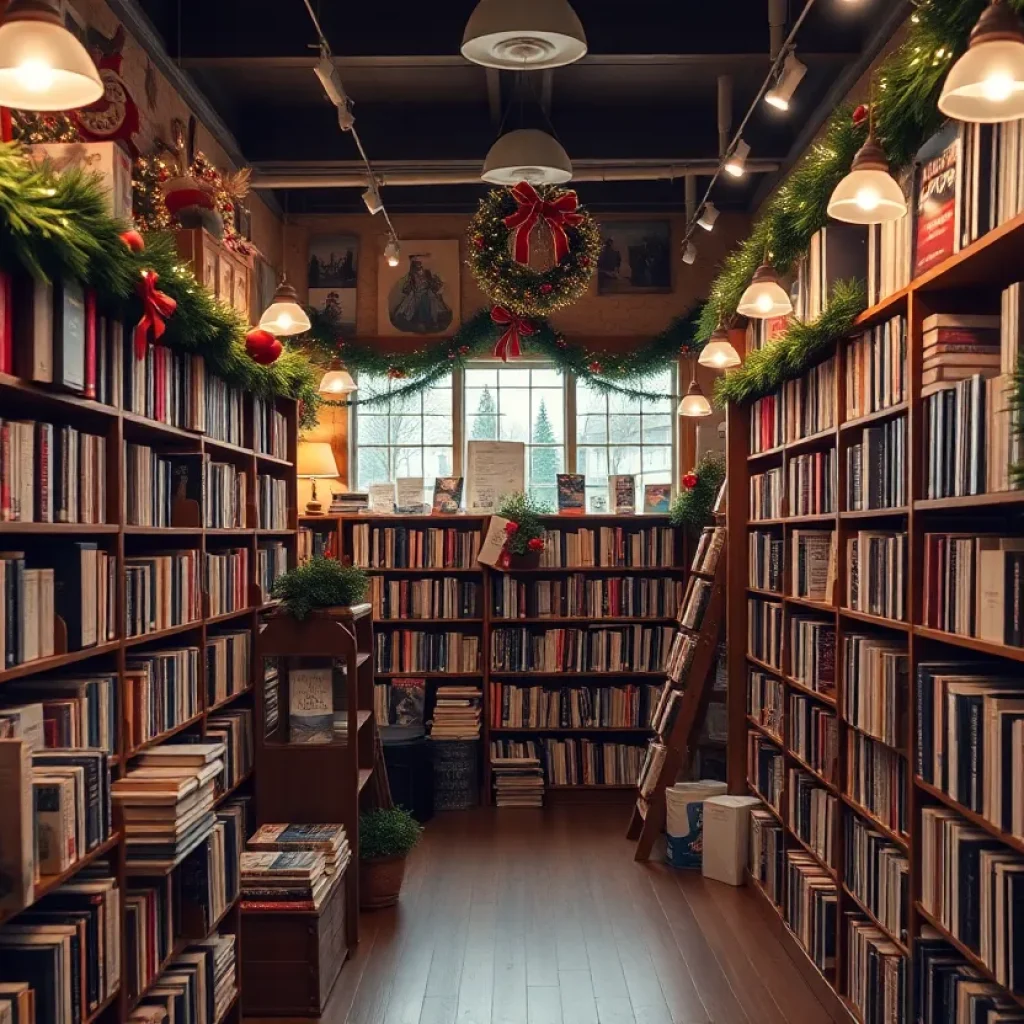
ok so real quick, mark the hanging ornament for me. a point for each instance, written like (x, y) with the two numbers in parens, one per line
(689, 480)
(262, 347)
(156, 307)
(515, 328)
(595, 367)
(860, 113)
(133, 240)
(396, 373)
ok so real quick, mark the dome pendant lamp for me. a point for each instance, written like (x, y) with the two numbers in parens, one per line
(765, 297)
(525, 35)
(694, 403)
(284, 316)
(986, 85)
(719, 352)
(527, 154)
(42, 65)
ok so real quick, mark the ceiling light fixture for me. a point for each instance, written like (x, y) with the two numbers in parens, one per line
(694, 403)
(736, 164)
(42, 65)
(337, 381)
(689, 254)
(284, 316)
(528, 35)
(392, 252)
(527, 154)
(372, 199)
(792, 74)
(986, 85)
(719, 352)
(708, 216)
(765, 297)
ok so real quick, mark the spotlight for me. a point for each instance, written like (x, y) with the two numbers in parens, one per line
(708, 216)
(736, 165)
(392, 252)
(346, 119)
(372, 199)
(689, 254)
(330, 79)
(793, 71)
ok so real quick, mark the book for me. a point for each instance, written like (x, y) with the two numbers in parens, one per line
(496, 469)
(572, 494)
(69, 336)
(622, 489)
(409, 495)
(33, 304)
(311, 705)
(937, 203)
(492, 551)
(657, 499)
(447, 494)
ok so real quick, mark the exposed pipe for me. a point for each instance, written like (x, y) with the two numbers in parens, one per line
(776, 26)
(724, 113)
(690, 196)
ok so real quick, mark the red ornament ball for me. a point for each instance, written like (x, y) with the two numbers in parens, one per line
(535, 543)
(133, 240)
(595, 367)
(860, 113)
(689, 480)
(546, 289)
(478, 241)
(396, 373)
(511, 527)
(262, 347)
(464, 350)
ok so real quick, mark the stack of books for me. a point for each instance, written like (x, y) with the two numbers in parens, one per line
(76, 712)
(456, 713)
(197, 987)
(349, 501)
(167, 802)
(209, 875)
(518, 781)
(271, 562)
(329, 840)
(161, 691)
(271, 502)
(288, 881)
(149, 935)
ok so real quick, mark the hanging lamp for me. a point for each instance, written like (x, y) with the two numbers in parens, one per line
(986, 85)
(694, 404)
(719, 352)
(42, 65)
(527, 154)
(337, 381)
(284, 316)
(765, 297)
(528, 35)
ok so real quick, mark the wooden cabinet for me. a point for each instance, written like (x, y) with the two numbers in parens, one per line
(226, 273)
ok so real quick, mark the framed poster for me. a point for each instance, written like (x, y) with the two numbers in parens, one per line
(421, 295)
(332, 275)
(635, 257)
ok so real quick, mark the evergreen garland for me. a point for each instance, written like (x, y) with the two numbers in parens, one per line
(693, 507)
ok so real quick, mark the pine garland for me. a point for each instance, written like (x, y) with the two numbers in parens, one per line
(692, 508)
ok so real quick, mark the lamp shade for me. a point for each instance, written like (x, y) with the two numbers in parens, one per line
(337, 382)
(736, 164)
(528, 35)
(719, 353)
(527, 154)
(316, 459)
(986, 85)
(765, 297)
(284, 316)
(694, 403)
(42, 65)
(869, 194)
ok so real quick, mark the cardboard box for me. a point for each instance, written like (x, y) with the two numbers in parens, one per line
(726, 837)
(105, 159)
(684, 809)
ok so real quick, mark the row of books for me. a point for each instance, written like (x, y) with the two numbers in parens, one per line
(535, 707)
(271, 502)
(766, 701)
(408, 547)
(74, 712)
(764, 630)
(227, 580)
(457, 713)
(876, 779)
(765, 769)
(876, 971)
(319, 544)
(875, 687)
(226, 496)
(518, 781)
(878, 873)
(767, 853)
(876, 563)
(404, 650)
(764, 560)
(225, 411)
(149, 925)
(149, 487)
(227, 664)
(766, 494)
(811, 907)
(581, 596)
(813, 564)
(766, 417)
(808, 402)
(876, 368)
(814, 736)
(270, 429)
(197, 987)
(811, 484)
(597, 649)
(27, 603)
(813, 814)
(954, 439)
(876, 473)
(233, 728)
(271, 562)
(51, 474)
(209, 875)
(584, 762)
(710, 545)
(161, 591)
(812, 652)
(445, 597)
(695, 603)
(160, 692)
(612, 546)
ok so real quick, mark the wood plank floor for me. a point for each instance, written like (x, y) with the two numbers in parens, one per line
(523, 917)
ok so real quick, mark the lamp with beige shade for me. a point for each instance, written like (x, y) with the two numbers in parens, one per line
(316, 462)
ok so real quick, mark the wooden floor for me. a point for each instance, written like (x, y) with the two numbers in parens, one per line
(524, 917)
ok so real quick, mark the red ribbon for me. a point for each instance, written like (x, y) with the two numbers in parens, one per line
(516, 327)
(558, 214)
(156, 307)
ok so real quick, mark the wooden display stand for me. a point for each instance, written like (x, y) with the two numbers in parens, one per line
(224, 272)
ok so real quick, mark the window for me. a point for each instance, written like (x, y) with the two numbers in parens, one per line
(566, 426)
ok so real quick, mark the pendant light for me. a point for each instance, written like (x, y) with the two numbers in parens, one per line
(869, 194)
(392, 252)
(694, 404)
(42, 65)
(719, 352)
(765, 297)
(528, 35)
(337, 381)
(284, 316)
(986, 85)
(527, 154)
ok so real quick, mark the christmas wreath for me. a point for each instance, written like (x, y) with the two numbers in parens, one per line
(499, 248)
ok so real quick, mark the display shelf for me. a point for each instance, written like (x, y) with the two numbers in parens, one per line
(58, 661)
(876, 513)
(813, 772)
(814, 606)
(874, 417)
(791, 833)
(876, 823)
(972, 501)
(863, 908)
(232, 790)
(764, 731)
(103, 1006)
(165, 735)
(775, 595)
(825, 698)
(581, 729)
(410, 623)
(162, 634)
(229, 699)
(600, 620)
(61, 528)
(875, 620)
(1007, 838)
(970, 643)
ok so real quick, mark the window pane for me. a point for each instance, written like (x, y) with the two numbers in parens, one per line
(623, 460)
(508, 378)
(438, 401)
(437, 429)
(436, 462)
(372, 429)
(657, 459)
(406, 430)
(589, 399)
(546, 378)
(514, 404)
(407, 462)
(373, 466)
(618, 402)
(481, 378)
(548, 426)
(593, 464)
(624, 428)
(591, 428)
(657, 429)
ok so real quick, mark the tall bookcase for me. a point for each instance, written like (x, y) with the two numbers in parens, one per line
(486, 622)
(21, 399)
(970, 281)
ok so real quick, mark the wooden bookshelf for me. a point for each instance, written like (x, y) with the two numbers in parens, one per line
(485, 621)
(988, 265)
(120, 540)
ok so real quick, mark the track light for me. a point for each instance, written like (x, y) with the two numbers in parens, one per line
(719, 352)
(765, 297)
(326, 70)
(736, 165)
(694, 403)
(372, 199)
(392, 252)
(793, 71)
(346, 119)
(986, 85)
(689, 254)
(708, 216)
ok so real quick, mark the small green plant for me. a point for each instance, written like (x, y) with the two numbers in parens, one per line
(387, 832)
(524, 511)
(692, 508)
(320, 583)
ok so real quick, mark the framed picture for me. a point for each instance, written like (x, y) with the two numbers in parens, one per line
(332, 275)
(420, 295)
(635, 257)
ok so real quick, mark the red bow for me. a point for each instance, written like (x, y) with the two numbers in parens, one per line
(156, 307)
(508, 343)
(557, 214)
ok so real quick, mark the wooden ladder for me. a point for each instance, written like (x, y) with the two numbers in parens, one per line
(648, 820)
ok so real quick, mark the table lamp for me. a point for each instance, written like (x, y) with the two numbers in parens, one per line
(316, 461)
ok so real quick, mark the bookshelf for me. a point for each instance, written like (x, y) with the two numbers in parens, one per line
(971, 281)
(335, 536)
(115, 654)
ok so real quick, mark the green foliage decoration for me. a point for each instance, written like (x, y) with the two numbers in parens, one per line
(320, 583)
(525, 511)
(387, 832)
(693, 507)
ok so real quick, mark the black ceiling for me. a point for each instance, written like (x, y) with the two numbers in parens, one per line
(645, 91)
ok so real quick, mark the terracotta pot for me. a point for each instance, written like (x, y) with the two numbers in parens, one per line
(380, 881)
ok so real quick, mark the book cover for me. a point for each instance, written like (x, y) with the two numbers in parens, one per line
(492, 549)
(409, 499)
(496, 469)
(69, 335)
(405, 702)
(382, 499)
(572, 494)
(447, 494)
(622, 491)
(310, 705)
(938, 186)
(657, 498)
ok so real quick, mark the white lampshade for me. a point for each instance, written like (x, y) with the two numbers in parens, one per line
(527, 35)
(765, 297)
(986, 85)
(337, 382)
(793, 71)
(527, 155)
(708, 216)
(284, 316)
(689, 254)
(736, 164)
(869, 194)
(719, 353)
(316, 459)
(694, 403)
(42, 65)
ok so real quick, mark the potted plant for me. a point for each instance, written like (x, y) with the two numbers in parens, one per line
(386, 835)
(524, 534)
(319, 583)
